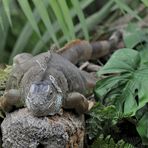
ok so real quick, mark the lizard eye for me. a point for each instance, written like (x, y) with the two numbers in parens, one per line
(50, 93)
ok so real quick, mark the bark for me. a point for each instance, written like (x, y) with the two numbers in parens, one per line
(20, 129)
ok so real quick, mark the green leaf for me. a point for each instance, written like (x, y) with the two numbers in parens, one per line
(123, 6)
(105, 85)
(133, 36)
(130, 82)
(132, 104)
(142, 128)
(40, 44)
(3, 31)
(67, 18)
(145, 2)
(90, 21)
(6, 4)
(97, 17)
(25, 35)
(59, 15)
(1, 23)
(81, 18)
(28, 13)
(123, 60)
(108, 142)
(126, 95)
(144, 54)
(100, 114)
(45, 17)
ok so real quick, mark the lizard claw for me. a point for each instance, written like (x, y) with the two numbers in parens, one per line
(60, 113)
(90, 105)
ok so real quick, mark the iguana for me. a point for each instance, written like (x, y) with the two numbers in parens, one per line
(49, 81)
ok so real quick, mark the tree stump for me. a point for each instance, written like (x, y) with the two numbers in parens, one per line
(20, 129)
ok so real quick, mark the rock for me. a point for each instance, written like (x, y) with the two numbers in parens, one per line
(20, 129)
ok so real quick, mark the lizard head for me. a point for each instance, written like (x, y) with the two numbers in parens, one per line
(43, 98)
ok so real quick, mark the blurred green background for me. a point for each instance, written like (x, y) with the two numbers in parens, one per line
(35, 25)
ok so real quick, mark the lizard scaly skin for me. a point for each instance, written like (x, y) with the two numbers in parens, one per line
(49, 81)
(45, 81)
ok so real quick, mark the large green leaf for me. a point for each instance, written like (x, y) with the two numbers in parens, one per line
(136, 100)
(105, 85)
(123, 60)
(142, 128)
(133, 36)
(130, 76)
(144, 56)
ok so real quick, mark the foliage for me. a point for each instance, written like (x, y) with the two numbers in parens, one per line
(126, 82)
(142, 127)
(145, 2)
(4, 74)
(50, 21)
(104, 142)
(35, 25)
(132, 74)
(102, 119)
(134, 35)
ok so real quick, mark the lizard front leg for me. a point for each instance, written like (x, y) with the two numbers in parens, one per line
(10, 99)
(78, 102)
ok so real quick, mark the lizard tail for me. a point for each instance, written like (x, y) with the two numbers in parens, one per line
(81, 50)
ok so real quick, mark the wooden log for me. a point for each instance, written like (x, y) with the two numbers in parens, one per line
(20, 129)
